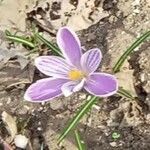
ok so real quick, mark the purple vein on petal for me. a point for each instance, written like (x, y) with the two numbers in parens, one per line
(67, 88)
(44, 89)
(101, 84)
(53, 66)
(70, 46)
(91, 60)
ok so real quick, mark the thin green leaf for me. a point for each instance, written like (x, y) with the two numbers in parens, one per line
(130, 50)
(49, 44)
(42, 146)
(125, 93)
(20, 40)
(74, 121)
(80, 142)
(7, 32)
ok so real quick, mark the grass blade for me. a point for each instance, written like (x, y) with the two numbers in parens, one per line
(130, 50)
(42, 146)
(125, 93)
(49, 44)
(20, 40)
(80, 142)
(74, 121)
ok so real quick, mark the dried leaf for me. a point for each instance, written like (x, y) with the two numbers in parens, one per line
(86, 12)
(124, 83)
(23, 61)
(6, 55)
(11, 74)
(16, 16)
(68, 13)
(10, 123)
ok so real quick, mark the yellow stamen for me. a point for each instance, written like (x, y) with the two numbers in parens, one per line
(75, 75)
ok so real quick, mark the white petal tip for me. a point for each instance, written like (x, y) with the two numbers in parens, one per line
(27, 98)
(67, 92)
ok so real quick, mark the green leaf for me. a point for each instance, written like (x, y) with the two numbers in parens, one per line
(116, 135)
(125, 93)
(49, 44)
(42, 146)
(80, 142)
(19, 39)
(7, 32)
(121, 60)
(74, 121)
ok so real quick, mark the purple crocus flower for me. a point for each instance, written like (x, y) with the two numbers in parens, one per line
(71, 73)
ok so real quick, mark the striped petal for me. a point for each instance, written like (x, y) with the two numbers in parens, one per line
(72, 87)
(44, 90)
(91, 60)
(67, 88)
(70, 46)
(53, 66)
(101, 84)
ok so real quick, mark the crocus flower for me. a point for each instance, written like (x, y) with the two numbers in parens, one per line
(71, 73)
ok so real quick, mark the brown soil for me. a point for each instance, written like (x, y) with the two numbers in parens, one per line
(111, 26)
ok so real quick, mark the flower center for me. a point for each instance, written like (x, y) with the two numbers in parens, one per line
(75, 75)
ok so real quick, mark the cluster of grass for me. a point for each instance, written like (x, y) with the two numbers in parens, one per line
(72, 125)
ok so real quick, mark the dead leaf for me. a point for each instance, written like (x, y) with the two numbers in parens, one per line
(86, 13)
(16, 71)
(126, 80)
(11, 125)
(15, 17)
(23, 61)
(6, 55)
(78, 15)
(12, 75)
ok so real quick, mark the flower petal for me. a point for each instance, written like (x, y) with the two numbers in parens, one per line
(91, 60)
(71, 87)
(101, 84)
(44, 90)
(53, 66)
(67, 88)
(70, 45)
(79, 86)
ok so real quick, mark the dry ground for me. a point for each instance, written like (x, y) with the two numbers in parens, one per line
(112, 26)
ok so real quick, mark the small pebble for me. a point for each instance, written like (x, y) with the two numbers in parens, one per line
(21, 141)
(39, 129)
(136, 49)
(136, 11)
(42, 103)
(82, 96)
(136, 3)
(89, 97)
(96, 107)
(89, 122)
(142, 76)
(113, 144)
(55, 105)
